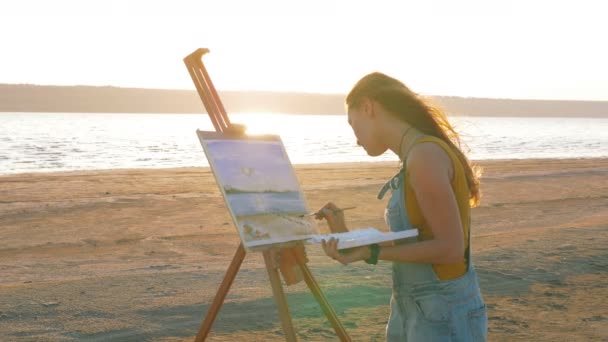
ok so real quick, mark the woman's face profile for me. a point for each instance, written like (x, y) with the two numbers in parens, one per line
(361, 120)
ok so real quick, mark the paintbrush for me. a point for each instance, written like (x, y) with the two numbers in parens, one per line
(335, 211)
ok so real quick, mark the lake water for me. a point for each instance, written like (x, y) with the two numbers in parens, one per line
(34, 142)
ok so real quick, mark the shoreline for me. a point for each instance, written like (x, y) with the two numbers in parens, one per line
(366, 164)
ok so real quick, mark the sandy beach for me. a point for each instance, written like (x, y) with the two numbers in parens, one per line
(137, 255)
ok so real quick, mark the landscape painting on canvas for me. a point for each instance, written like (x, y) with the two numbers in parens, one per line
(260, 188)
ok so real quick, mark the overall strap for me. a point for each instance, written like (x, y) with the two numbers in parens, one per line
(467, 251)
(392, 184)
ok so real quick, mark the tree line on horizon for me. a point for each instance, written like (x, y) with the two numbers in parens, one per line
(109, 99)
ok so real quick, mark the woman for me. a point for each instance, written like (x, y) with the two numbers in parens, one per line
(436, 296)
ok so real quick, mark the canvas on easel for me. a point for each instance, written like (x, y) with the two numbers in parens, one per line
(260, 188)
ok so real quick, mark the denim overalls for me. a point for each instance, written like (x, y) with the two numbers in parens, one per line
(423, 307)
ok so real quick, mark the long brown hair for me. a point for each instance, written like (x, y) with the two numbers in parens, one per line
(428, 118)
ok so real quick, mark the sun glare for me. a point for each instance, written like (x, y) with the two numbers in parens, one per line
(274, 123)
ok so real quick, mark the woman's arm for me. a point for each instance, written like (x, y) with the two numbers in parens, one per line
(430, 171)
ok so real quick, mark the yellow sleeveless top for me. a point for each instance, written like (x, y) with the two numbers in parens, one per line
(462, 194)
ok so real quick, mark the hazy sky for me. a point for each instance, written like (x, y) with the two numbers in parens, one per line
(507, 49)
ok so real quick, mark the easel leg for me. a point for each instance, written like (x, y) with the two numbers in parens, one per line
(280, 299)
(325, 306)
(233, 269)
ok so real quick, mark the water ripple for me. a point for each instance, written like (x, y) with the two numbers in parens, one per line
(53, 142)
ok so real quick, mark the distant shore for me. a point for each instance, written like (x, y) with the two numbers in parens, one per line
(108, 99)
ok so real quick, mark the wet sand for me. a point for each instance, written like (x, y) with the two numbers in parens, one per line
(137, 255)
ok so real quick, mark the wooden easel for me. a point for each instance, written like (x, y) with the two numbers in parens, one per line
(293, 259)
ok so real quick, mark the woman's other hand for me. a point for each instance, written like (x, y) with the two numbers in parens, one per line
(346, 256)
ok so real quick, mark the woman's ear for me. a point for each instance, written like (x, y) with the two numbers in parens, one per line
(369, 108)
